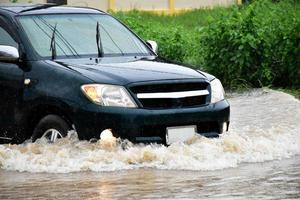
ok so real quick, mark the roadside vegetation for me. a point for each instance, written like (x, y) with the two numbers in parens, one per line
(253, 45)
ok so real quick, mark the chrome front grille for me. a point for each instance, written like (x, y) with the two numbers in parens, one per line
(171, 95)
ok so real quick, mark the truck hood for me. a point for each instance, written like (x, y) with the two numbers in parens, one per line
(123, 71)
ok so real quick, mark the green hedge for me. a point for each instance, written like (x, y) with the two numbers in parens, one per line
(172, 40)
(177, 36)
(253, 45)
(259, 45)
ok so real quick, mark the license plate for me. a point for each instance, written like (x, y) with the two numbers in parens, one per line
(179, 134)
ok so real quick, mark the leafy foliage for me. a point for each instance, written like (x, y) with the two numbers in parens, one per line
(254, 45)
(259, 45)
(177, 35)
(169, 38)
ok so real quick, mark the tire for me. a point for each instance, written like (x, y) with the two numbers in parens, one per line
(49, 126)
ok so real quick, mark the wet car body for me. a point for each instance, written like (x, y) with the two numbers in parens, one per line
(35, 87)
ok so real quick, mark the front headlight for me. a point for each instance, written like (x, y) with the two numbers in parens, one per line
(217, 91)
(108, 95)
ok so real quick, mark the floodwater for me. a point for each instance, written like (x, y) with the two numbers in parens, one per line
(259, 158)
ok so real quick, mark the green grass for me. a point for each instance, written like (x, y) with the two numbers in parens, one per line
(188, 19)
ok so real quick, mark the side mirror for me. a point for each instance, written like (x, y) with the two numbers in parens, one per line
(9, 54)
(153, 45)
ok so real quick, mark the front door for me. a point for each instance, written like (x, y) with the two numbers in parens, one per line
(11, 86)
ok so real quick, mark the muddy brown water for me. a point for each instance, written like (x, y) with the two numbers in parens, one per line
(259, 158)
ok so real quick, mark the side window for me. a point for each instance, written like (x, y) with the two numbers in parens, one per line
(5, 36)
(6, 39)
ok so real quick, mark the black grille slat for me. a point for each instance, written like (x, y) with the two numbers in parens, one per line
(165, 103)
(173, 103)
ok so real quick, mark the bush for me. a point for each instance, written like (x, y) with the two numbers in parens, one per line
(177, 35)
(171, 40)
(254, 45)
(259, 45)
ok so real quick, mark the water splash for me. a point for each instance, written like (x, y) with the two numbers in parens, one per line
(265, 126)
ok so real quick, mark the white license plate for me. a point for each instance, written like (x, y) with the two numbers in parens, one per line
(179, 134)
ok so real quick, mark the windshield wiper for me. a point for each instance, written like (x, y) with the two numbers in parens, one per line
(53, 44)
(48, 35)
(61, 37)
(98, 40)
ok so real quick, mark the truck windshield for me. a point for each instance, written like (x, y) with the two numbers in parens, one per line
(75, 35)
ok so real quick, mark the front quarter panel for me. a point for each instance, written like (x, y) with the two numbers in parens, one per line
(53, 81)
(54, 85)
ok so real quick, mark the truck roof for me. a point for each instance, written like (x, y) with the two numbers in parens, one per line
(19, 9)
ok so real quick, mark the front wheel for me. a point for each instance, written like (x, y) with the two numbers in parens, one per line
(51, 127)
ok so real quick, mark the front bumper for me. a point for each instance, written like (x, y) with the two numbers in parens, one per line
(147, 125)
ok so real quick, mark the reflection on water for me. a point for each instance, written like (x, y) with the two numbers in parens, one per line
(268, 180)
(264, 127)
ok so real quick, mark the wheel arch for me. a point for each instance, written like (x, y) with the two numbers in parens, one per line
(37, 112)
